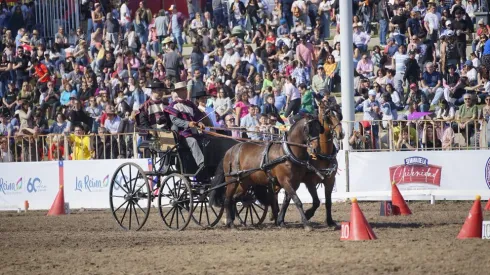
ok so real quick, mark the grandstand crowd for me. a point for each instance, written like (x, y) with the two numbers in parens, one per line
(253, 64)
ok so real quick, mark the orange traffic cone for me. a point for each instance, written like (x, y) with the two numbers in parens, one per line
(487, 207)
(399, 206)
(58, 207)
(358, 229)
(472, 227)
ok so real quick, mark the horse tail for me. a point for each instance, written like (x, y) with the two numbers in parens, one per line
(216, 196)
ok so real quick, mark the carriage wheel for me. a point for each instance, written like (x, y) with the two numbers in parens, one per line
(130, 196)
(175, 202)
(249, 211)
(204, 214)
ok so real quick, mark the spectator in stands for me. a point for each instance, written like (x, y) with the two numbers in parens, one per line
(360, 38)
(467, 115)
(106, 146)
(417, 98)
(80, 143)
(372, 110)
(404, 143)
(432, 83)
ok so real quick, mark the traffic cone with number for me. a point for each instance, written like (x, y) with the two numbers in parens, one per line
(487, 207)
(399, 206)
(358, 228)
(58, 207)
(472, 227)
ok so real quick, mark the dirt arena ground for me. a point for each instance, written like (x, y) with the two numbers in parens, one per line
(90, 242)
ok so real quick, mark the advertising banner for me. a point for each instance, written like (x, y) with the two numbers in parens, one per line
(35, 182)
(444, 174)
(87, 182)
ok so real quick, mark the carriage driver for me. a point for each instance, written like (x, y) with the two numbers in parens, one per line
(185, 118)
(151, 113)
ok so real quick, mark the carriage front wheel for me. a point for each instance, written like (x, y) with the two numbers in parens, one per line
(130, 196)
(175, 201)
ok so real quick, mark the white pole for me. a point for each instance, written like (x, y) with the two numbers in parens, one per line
(77, 15)
(347, 70)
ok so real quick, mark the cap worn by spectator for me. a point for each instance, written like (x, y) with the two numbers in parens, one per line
(372, 92)
(468, 63)
(448, 23)
(167, 40)
(229, 47)
(481, 22)
(413, 85)
(172, 7)
(412, 52)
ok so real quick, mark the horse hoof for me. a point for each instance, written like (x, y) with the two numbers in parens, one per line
(308, 228)
(331, 224)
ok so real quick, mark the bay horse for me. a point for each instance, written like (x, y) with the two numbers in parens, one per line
(330, 117)
(253, 164)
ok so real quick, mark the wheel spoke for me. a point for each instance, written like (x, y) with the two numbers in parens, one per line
(177, 209)
(140, 208)
(130, 213)
(114, 196)
(207, 215)
(200, 214)
(124, 215)
(120, 206)
(173, 214)
(214, 211)
(251, 215)
(246, 214)
(130, 178)
(136, 215)
(258, 205)
(122, 188)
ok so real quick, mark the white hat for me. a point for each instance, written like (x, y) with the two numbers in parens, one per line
(372, 92)
(171, 8)
(448, 22)
(481, 22)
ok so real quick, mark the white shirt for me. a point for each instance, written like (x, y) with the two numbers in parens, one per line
(112, 126)
(291, 91)
(125, 12)
(230, 59)
(433, 20)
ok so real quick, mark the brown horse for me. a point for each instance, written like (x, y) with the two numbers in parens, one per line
(330, 118)
(252, 164)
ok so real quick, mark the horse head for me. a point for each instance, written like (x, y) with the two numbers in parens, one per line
(331, 117)
(307, 130)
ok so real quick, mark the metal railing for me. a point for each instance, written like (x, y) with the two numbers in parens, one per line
(29, 148)
(416, 135)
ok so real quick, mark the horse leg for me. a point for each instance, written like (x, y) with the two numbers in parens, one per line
(299, 205)
(274, 205)
(329, 183)
(229, 204)
(314, 195)
(284, 208)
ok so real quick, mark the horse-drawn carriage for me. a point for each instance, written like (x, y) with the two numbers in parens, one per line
(173, 183)
(253, 170)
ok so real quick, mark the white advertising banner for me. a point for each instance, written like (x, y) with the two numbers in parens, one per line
(339, 190)
(34, 182)
(87, 182)
(454, 175)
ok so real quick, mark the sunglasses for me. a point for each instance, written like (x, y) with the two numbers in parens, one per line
(467, 98)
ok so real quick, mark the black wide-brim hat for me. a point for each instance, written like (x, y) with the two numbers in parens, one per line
(155, 84)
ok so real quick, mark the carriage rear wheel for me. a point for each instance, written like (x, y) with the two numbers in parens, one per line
(205, 214)
(175, 201)
(130, 197)
(249, 211)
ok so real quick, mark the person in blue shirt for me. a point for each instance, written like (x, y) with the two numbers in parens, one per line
(279, 100)
(432, 83)
(67, 94)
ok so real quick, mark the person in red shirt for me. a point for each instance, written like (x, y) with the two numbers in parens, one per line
(42, 72)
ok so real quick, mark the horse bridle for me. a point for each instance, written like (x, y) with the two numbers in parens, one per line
(332, 133)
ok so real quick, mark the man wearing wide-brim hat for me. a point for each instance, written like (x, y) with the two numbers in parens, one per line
(151, 114)
(185, 118)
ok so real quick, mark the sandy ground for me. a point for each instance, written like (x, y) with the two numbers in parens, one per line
(91, 242)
